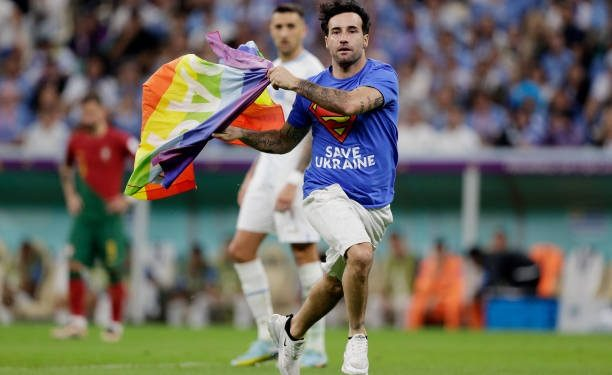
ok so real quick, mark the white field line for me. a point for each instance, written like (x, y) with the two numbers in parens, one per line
(110, 366)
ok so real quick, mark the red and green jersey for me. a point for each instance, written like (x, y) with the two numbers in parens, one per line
(100, 163)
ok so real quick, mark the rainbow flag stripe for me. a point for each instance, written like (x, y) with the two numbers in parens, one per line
(188, 99)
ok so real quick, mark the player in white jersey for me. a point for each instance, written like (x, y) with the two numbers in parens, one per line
(271, 202)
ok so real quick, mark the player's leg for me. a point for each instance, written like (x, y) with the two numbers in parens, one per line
(287, 332)
(359, 259)
(255, 220)
(323, 296)
(113, 243)
(253, 278)
(81, 243)
(254, 282)
(310, 272)
(352, 233)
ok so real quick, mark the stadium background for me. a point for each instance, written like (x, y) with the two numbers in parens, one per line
(531, 80)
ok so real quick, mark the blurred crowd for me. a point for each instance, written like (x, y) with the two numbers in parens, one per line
(473, 73)
(192, 288)
(409, 288)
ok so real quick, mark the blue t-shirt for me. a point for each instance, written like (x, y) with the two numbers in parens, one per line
(357, 152)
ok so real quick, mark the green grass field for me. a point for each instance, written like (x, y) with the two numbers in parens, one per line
(28, 349)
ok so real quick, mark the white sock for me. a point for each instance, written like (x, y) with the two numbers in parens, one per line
(256, 290)
(79, 321)
(309, 274)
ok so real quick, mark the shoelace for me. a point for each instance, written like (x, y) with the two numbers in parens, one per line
(359, 345)
(294, 349)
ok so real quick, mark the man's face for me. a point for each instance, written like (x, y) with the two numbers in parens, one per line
(288, 31)
(93, 113)
(345, 39)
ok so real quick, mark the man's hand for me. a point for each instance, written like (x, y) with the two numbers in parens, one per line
(117, 205)
(74, 204)
(285, 198)
(231, 133)
(281, 78)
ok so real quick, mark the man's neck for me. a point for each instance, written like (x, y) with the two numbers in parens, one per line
(100, 129)
(341, 71)
(292, 55)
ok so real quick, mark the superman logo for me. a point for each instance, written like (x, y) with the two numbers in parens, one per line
(338, 125)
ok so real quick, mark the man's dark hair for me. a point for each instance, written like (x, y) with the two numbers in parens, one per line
(91, 97)
(332, 8)
(289, 8)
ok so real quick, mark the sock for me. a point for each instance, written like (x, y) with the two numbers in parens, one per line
(116, 294)
(309, 274)
(76, 296)
(257, 293)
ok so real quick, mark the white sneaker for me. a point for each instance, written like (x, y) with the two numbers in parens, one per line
(356, 356)
(75, 329)
(289, 351)
(112, 333)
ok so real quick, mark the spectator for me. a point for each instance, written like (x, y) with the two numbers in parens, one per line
(415, 135)
(527, 127)
(458, 47)
(417, 79)
(196, 292)
(557, 60)
(508, 271)
(531, 85)
(127, 114)
(487, 118)
(438, 290)
(606, 129)
(95, 80)
(34, 297)
(474, 276)
(443, 101)
(46, 137)
(563, 130)
(457, 137)
(398, 272)
(14, 115)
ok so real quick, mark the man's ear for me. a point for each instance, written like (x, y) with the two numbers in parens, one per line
(366, 40)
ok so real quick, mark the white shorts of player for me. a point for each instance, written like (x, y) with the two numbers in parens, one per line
(342, 223)
(257, 215)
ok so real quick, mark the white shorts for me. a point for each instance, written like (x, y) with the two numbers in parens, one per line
(342, 223)
(257, 215)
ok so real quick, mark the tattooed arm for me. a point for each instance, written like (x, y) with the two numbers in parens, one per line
(271, 141)
(359, 100)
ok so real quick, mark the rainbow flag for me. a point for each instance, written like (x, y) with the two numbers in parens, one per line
(188, 99)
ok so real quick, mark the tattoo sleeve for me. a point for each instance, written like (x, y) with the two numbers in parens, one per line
(360, 100)
(275, 141)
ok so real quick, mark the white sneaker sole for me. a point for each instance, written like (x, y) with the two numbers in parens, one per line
(353, 371)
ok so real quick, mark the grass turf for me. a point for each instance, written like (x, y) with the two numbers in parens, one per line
(28, 349)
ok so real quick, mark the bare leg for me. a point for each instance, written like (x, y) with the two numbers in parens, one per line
(324, 295)
(305, 253)
(355, 285)
(244, 245)
(310, 272)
